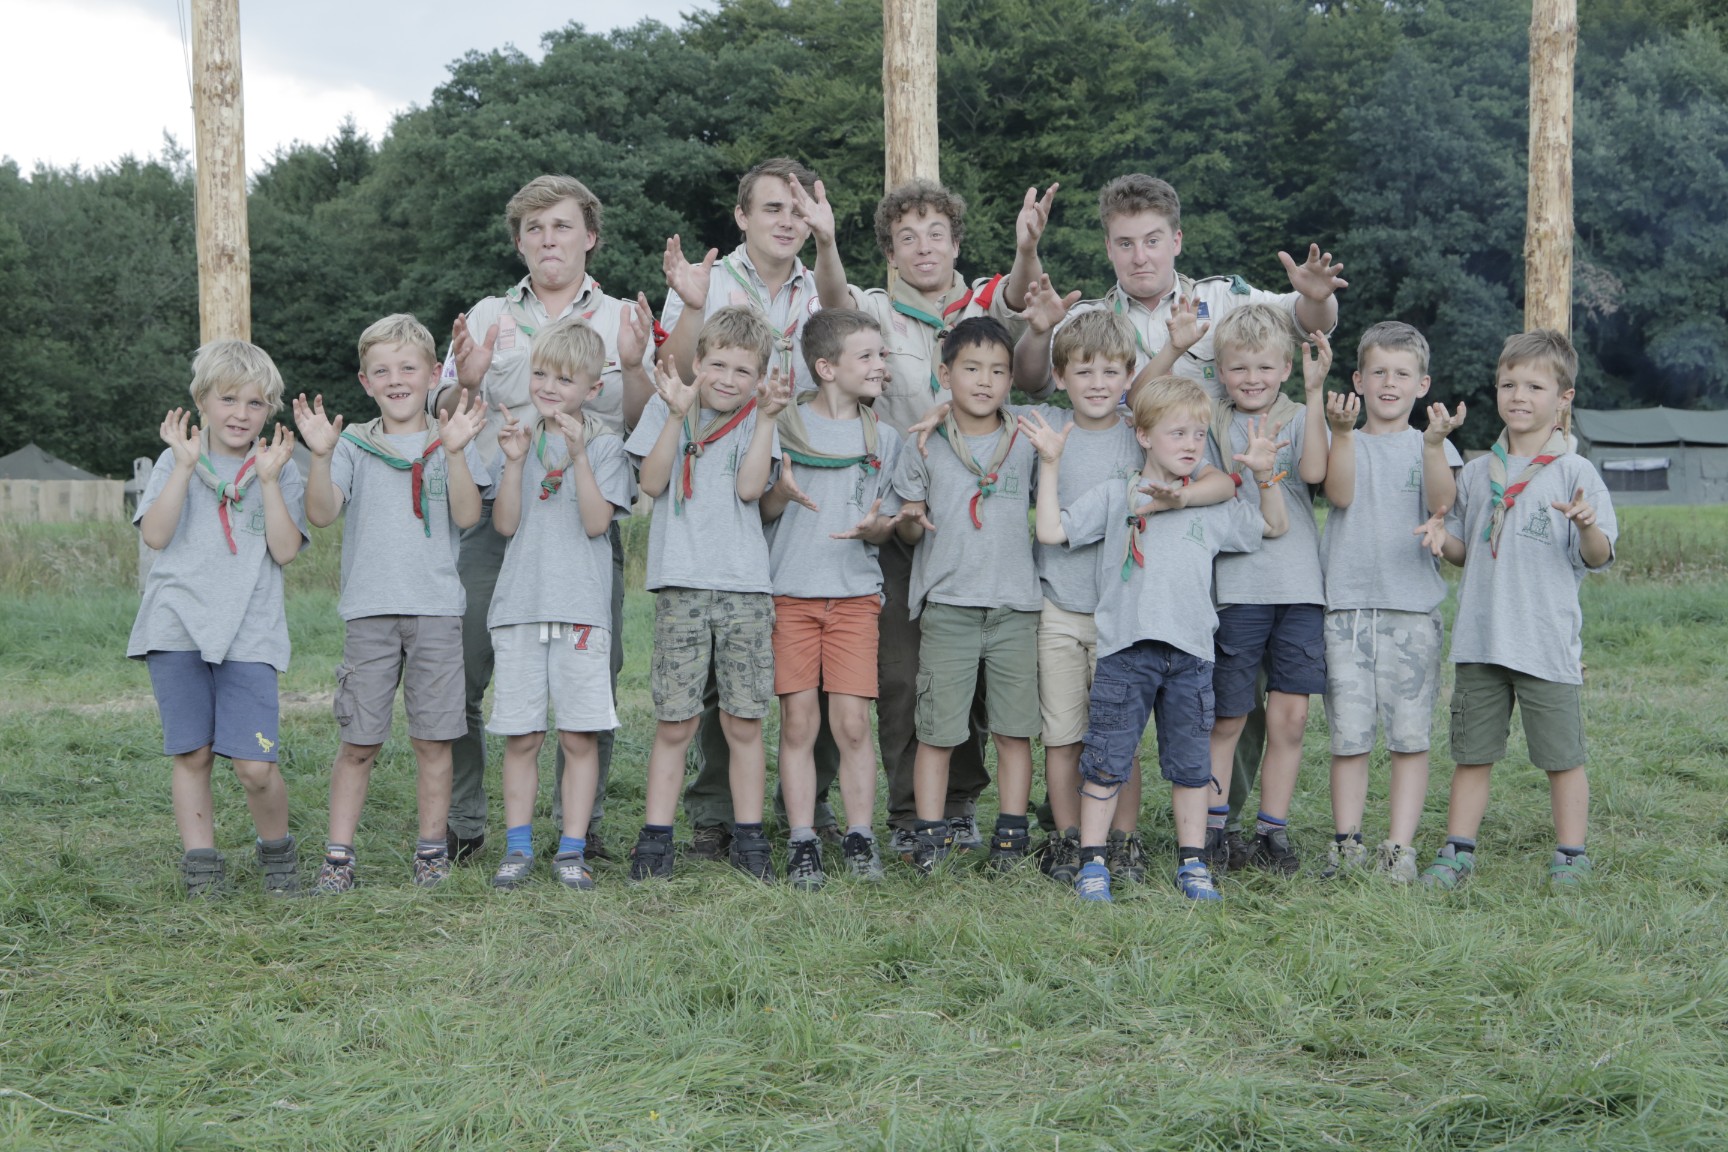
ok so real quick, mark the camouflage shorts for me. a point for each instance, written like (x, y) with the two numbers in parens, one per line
(734, 630)
(1382, 668)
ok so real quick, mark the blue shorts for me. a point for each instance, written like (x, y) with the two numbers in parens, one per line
(1150, 678)
(231, 706)
(1288, 638)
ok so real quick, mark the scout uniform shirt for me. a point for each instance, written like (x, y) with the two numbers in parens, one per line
(1286, 569)
(734, 282)
(912, 325)
(519, 314)
(1370, 555)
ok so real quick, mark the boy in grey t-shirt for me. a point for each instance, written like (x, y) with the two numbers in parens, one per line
(407, 488)
(226, 510)
(1531, 519)
(707, 452)
(1383, 590)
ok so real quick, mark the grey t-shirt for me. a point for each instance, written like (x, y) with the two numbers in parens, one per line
(553, 570)
(390, 565)
(1170, 599)
(1520, 610)
(1286, 569)
(1069, 575)
(1369, 552)
(199, 596)
(805, 560)
(716, 542)
(987, 567)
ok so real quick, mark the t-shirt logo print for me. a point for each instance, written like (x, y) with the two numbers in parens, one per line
(1413, 482)
(1538, 526)
(1010, 484)
(1196, 531)
(437, 485)
(732, 461)
(857, 500)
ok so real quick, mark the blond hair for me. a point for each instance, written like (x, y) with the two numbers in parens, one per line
(543, 192)
(400, 328)
(235, 363)
(924, 197)
(1095, 335)
(571, 347)
(1257, 328)
(737, 327)
(1165, 396)
(825, 334)
(1545, 346)
(1394, 336)
(783, 167)
(1135, 193)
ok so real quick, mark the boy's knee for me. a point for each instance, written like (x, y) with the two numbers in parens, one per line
(254, 775)
(681, 731)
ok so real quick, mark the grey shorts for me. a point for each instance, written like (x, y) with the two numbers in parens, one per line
(424, 655)
(1382, 669)
(734, 631)
(567, 667)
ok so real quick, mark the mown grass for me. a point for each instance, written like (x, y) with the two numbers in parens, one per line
(965, 1013)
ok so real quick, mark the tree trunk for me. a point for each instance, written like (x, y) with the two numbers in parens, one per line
(224, 254)
(1548, 227)
(909, 91)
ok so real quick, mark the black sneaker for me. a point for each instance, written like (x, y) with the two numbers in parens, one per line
(860, 857)
(709, 843)
(804, 865)
(1272, 853)
(596, 849)
(1060, 857)
(1008, 848)
(931, 848)
(204, 874)
(1216, 852)
(963, 834)
(651, 859)
(281, 869)
(461, 849)
(753, 855)
(1126, 857)
(1237, 850)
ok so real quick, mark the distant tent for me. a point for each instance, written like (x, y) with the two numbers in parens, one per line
(31, 463)
(1658, 455)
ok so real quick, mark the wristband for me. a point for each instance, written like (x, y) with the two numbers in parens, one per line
(1277, 476)
(1236, 478)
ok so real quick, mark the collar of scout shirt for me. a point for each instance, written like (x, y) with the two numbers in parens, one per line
(529, 320)
(743, 271)
(1123, 304)
(942, 313)
(369, 438)
(227, 491)
(795, 439)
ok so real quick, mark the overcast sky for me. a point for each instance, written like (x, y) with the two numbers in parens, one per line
(87, 81)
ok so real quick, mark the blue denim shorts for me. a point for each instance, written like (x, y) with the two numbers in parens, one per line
(232, 706)
(1150, 679)
(1289, 638)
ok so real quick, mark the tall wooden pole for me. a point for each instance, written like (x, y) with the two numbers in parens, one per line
(909, 91)
(1548, 226)
(224, 255)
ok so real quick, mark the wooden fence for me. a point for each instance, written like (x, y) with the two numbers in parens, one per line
(61, 501)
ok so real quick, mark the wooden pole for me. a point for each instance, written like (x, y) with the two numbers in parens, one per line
(1548, 226)
(909, 91)
(224, 255)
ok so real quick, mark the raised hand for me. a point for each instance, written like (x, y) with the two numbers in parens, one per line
(1316, 278)
(1034, 217)
(457, 428)
(1441, 423)
(815, 210)
(472, 359)
(1165, 498)
(1316, 362)
(180, 434)
(917, 512)
(575, 433)
(1262, 454)
(1046, 307)
(1185, 326)
(933, 420)
(672, 389)
(270, 457)
(689, 280)
(1578, 510)
(635, 330)
(1342, 408)
(317, 431)
(1046, 439)
(873, 524)
(513, 437)
(787, 486)
(773, 394)
(1433, 532)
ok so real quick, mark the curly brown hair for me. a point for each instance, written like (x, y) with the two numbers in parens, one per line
(921, 197)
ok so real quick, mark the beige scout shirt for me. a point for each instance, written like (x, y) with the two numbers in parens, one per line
(734, 281)
(914, 348)
(519, 314)
(1218, 296)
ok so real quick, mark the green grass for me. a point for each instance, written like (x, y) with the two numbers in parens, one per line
(964, 1013)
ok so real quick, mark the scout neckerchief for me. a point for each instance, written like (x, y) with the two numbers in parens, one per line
(694, 444)
(1132, 557)
(1278, 416)
(592, 428)
(908, 301)
(227, 491)
(369, 438)
(795, 440)
(987, 477)
(759, 301)
(1506, 495)
(516, 304)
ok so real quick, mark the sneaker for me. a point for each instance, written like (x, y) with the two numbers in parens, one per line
(1568, 871)
(903, 843)
(858, 853)
(1397, 863)
(1060, 856)
(513, 871)
(931, 848)
(1349, 856)
(1125, 857)
(1272, 853)
(712, 842)
(651, 859)
(1194, 881)
(596, 849)
(572, 871)
(335, 876)
(804, 865)
(1092, 882)
(204, 874)
(1008, 847)
(431, 871)
(462, 848)
(281, 869)
(963, 833)
(1449, 870)
(1215, 853)
(830, 834)
(754, 856)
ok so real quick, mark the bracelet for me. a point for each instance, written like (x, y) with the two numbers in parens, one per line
(1276, 477)
(1236, 478)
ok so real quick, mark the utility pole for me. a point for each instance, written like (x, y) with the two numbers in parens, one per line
(1548, 225)
(224, 255)
(909, 91)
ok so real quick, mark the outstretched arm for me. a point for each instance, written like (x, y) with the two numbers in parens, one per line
(1341, 411)
(1317, 279)
(1439, 484)
(1312, 466)
(1028, 229)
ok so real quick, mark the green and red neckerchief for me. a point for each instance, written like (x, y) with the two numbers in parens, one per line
(795, 440)
(1506, 495)
(987, 477)
(696, 442)
(908, 301)
(1132, 557)
(227, 491)
(592, 427)
(782, 339)
(369, 438)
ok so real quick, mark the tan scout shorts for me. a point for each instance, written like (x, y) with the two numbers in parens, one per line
(424, 655)
(1067, 657)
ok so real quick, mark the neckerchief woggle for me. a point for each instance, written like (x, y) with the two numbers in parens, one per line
(782, 340)
(592, 427)
(369, 438)
(1506, 495)
(696, 442)
(987, 477)
(908, 301)
(227, 491)
(795, 440)
(1132, 557)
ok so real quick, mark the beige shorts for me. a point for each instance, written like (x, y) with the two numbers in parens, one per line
(424, 655)
(567, 667)
(1067, 658)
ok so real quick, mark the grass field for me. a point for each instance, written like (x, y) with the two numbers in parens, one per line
(968, 1012)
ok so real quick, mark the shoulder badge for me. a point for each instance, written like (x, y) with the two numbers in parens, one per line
(1239, 286)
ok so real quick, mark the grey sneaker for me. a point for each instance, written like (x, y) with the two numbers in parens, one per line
(514, 869)
(1397, 863)
(431, 871)
(804, 865)
(281, 869)
(709, 843)
(903, 843)
(1349, 856)
(963, 833)
(1125, 857)
(1451, 868)
(1272, 853)
(754, 856)
(1569, 871)
(335, 876)
(1060, 856)
(572, 871)
(204, 874)
(859, 855)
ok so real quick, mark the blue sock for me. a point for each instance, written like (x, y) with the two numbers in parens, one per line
(571, 844)
(1215, 817)
(519, 841)
(1265, 825)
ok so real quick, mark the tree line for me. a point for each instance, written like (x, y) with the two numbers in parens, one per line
(1392, 133)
